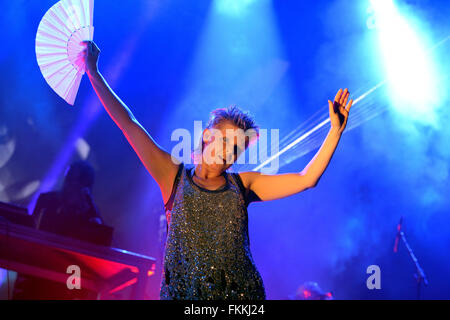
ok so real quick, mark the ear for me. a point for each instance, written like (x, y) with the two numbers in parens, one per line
(207, 135)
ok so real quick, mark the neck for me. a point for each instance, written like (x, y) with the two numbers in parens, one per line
(203, 171)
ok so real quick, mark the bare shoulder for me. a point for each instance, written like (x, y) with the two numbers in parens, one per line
(167, 179)
(172, 166)
(248, 177)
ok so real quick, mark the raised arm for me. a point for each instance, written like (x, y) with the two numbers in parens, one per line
(271, 187)
(156, 160)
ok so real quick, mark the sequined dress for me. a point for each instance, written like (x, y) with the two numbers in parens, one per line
(207, 252)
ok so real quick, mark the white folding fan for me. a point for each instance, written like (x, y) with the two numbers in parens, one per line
(58, 45)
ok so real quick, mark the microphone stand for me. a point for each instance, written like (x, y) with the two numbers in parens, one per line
(420, 275)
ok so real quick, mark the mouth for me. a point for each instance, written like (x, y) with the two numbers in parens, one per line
(221, 160)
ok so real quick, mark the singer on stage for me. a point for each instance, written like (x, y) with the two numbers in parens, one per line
(207, 253)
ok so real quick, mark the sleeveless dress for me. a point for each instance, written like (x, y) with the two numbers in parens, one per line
(207, 252)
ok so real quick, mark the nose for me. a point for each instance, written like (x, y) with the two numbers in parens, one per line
(228, 157)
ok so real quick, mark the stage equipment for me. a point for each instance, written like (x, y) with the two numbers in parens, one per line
(419, 275)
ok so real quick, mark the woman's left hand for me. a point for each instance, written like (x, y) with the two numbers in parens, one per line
(339, 110)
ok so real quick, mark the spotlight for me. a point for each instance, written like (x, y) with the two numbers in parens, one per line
(408, 68)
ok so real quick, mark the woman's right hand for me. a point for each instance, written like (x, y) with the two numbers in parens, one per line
(90, 54)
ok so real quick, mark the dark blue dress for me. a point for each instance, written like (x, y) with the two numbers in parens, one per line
(207, 253)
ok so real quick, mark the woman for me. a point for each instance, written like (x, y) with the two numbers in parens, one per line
(207, 252)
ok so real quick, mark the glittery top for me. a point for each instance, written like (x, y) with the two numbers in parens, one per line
(207, 253)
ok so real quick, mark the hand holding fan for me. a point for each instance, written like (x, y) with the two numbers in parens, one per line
(59, 47)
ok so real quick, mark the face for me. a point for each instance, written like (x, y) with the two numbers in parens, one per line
(223, 145)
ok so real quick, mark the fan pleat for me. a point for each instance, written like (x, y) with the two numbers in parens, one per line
(76, 37)
(83, 16)
(74, 88)
(58, 22)
(66, 82)
(91, 12)
(49, 34)
(49, 45)
(58, 45)
(48, 39)
(55, 68)
(74, 14)
(91, 32)
(62, 14)
(63, 86)
(46, 25)
(47, 62)
(44, 51)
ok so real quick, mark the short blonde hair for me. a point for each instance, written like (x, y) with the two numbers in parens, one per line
(239, 118)
(242, 120)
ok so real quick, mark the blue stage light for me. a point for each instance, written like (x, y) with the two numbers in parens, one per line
(409, 69)
(232, 7)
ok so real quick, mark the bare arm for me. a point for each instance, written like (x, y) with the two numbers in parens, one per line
(156, 160)
(271, 187)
